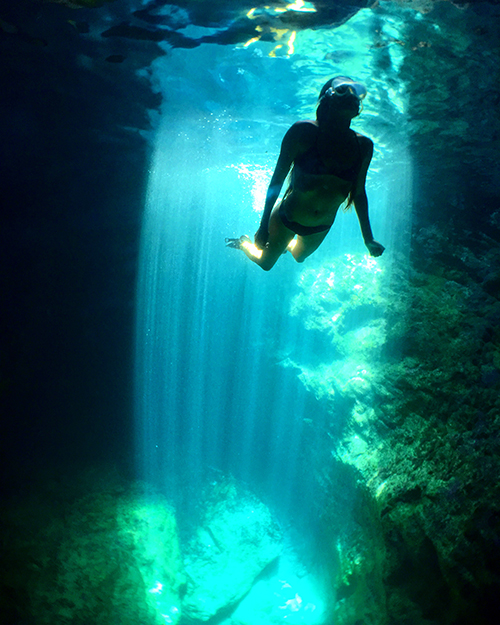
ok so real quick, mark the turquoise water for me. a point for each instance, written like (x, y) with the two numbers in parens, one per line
(186, 438)
(215, 335)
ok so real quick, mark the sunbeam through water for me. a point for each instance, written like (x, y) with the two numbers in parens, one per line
(188, 439)
(222, 360)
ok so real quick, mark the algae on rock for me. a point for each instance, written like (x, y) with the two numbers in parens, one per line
(415, 417)
(110, 556)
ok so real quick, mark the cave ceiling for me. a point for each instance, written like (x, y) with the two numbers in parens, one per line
(227, 22)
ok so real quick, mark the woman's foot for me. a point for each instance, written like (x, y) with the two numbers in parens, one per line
(237, 244)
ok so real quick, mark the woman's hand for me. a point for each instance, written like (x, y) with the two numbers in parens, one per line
(375, 248)
(261, 237)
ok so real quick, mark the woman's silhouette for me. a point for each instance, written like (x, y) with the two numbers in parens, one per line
(328, 163)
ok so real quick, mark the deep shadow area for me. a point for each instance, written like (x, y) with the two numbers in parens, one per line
(73, 166)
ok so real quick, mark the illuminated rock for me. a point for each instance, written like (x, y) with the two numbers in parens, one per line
(110, 556)
(237, 539)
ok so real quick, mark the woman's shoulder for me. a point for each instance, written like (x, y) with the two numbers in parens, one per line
(365, 143)
(301, 136)
(304, 130)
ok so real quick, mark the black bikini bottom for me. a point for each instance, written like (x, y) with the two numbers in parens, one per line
(300, 229)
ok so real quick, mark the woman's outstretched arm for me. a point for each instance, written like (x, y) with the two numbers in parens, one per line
(361, 201)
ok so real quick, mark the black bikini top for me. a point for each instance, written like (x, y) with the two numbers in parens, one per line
(311, 163)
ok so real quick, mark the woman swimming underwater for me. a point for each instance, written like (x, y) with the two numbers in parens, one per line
(328, 163)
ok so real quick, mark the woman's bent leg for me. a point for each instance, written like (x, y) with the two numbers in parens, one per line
(307, 244)
(279, 238)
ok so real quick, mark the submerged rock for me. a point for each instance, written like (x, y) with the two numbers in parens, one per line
(414, 432)
(288, 594)
(109, 556)
(236, 540)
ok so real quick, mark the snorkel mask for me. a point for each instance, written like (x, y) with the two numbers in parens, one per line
(343, 86)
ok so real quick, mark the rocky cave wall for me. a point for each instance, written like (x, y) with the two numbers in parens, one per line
(419, 425)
